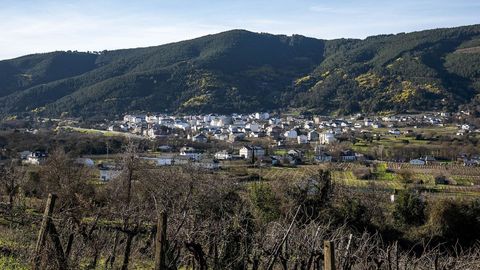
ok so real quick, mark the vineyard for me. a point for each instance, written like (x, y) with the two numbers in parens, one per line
(467, 179)
(244, 217)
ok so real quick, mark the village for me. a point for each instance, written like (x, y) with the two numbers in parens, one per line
(273, 140)
(266, 139)
(251, 131)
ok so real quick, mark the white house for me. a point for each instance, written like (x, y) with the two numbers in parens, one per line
(376, 125)
(417, 162)
(155, 133)
(236, 136)
(309, 125)
(24, 154)
(327, 138)
(221, 121)
(221, 137)
(36, 158)
(200, 138)
(191, 153)
(208, 164)
(137, 119)
(274, 121)
(323, 157)
(254, 127)
(302, 139)
(85, 162)
(223, 155)
(395, 132)
(165, 161)
(151, 119)
(262, 116)
(291, 134)
(248, 151)
(182, 125)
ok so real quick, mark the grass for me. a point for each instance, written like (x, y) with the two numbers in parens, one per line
(383, 174)
(462, 181)
(280, 152)
(11, 263)
(7, 260)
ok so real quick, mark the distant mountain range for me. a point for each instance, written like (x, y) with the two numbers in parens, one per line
(241, 71)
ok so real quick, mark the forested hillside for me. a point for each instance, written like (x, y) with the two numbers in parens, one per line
(435, 69)
(241, 71)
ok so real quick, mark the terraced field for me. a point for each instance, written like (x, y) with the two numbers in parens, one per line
(466, 179)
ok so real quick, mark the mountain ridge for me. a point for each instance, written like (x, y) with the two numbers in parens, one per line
(243, 71)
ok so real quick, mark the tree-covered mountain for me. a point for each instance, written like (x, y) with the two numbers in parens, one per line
(241, 71)
(427, 70)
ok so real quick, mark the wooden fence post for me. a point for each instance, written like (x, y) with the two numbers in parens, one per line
(128, 249)
(42, 234)
(69, 245)
(57, 244)
(329, 255)
(161, 242)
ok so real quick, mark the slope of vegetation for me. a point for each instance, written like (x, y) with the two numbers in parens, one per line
(432, 69)
(244, 71)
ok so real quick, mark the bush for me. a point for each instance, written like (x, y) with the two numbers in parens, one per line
(441, 180)
(409, 208)
(355, 213)
(265, 202)
(406, 176)
(363, 173)
(454, 221)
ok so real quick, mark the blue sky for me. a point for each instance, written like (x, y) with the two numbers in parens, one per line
(33, 26)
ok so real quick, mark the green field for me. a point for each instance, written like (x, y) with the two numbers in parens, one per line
(385, 178)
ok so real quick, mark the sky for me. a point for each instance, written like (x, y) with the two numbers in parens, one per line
(36, 26)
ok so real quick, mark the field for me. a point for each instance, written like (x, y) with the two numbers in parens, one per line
(465, 180)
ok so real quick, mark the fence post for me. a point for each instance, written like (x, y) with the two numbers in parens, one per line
(42, 234)
(329, 255)
(57, 244)
(161, 242)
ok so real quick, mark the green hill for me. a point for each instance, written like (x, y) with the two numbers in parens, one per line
(241, 71)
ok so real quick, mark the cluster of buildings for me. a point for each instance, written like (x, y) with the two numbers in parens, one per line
(231, 128)
(280, 130)
(283, 130)
(296, 129)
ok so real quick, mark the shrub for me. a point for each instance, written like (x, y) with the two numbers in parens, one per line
(363, 173)
(265, 202)
(441, 180)
(455, 221)
(409, 208)
(406, 176)
(355, 213)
